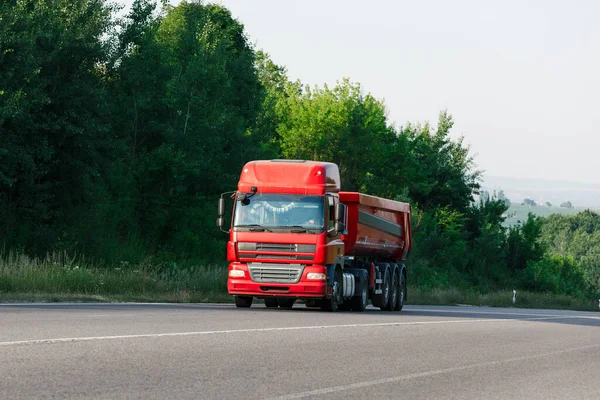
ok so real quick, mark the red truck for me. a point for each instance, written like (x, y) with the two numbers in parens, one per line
(295, 236)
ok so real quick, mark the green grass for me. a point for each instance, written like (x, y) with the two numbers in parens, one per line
(59, 277)
(518, 213)
(499, 299)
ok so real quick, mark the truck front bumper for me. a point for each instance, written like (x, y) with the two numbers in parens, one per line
(304, 288)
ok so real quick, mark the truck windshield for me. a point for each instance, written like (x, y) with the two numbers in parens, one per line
(295, 213)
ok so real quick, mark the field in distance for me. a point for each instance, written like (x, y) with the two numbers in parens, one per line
(517, 213)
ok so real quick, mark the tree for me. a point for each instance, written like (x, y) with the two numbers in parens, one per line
(188, 96)
(340, 125)
(576, 236)
(486, 236)
(276, 88)
(566, 204)
(484, 195)
(524, 243)
(438, 171)
(55, 139)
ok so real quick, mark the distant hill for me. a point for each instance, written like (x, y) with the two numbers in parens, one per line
(517, 214)
(584, 195)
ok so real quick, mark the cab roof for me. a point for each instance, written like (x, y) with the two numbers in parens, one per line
(290, 176)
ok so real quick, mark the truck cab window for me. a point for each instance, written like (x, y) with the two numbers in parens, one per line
(281, 212)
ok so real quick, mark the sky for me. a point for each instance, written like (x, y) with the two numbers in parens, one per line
(520, 78)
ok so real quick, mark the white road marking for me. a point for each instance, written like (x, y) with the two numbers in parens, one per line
(276, 329)
(473, 310)
(359, 385)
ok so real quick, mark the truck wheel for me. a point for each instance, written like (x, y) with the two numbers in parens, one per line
(359, 303)
(332, 304)
(286, 303)
(243, 301)
(401, 292)
(391, 305)
(386, 289)
(271, 302)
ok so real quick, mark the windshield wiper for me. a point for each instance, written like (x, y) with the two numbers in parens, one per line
(297, 228)
(254, 228)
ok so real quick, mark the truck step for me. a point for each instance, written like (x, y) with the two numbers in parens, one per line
(378, 291)
(378, 280)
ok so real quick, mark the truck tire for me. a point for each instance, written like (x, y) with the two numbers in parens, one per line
(386, 288)
(401, 293)
(332, 304)
(377, 299)
(359, 303)
(243, 301)
(394, 283)
(271, 302)
(286, 302)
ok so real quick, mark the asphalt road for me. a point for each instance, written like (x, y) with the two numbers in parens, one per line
(143, 351)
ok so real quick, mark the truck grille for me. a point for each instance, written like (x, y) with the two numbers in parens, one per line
(276, 247)
(275, 273)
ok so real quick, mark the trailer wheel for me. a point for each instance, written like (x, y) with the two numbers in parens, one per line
(332, 304)
(401, 293)
(359, 303)
(286, 302)
(386, 289)
(391, 305)
(271, 302)
(243, 301)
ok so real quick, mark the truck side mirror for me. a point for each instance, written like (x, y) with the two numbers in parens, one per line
(340, 212)
(340, 216)
(221, 207)
(221, 211)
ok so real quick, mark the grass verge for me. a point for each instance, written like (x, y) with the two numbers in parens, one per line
(60, 278)
(499, 299)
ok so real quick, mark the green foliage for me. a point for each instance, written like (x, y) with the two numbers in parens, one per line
(524, 244)
(487, 238)
(66, 277)
(340, 125)
(437, 170)
(55, 144)
(438, 255)
(498, 298)
(554, 274)
(576, 236)
(188, 94)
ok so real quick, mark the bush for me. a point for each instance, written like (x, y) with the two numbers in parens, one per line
(554, 274)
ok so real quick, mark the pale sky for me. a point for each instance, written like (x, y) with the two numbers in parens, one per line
(521, 78)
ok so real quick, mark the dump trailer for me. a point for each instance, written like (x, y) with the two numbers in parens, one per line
(294, 235)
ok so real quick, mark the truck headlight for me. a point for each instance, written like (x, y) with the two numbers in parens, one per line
(316, 276)
(236, 273)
